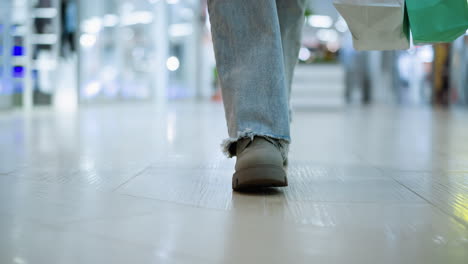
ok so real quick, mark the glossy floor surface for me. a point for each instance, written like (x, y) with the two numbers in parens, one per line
(137, 184)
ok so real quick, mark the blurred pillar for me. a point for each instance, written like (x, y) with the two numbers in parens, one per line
(194, 57)
(161, 40)
(199, 24)
(5, 54)
(79, 62)
(27, 99)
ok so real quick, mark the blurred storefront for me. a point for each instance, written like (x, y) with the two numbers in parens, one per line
(69, 52)
(138, 50)
(66, 52)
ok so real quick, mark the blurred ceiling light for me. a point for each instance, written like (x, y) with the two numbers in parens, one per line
(110, 20)
(320, 21)
(179, 30)
(92, 25)
(341, 25)
(140, 17)
(153, 1)
(327, 35)
(173, 63)
(426, 54)
(172, 2)
(87, 40)
(304, 54)
(92, 89)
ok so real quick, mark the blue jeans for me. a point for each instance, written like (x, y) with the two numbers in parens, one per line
(256, 45)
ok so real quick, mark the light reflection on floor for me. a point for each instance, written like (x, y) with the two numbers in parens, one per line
(136, 184)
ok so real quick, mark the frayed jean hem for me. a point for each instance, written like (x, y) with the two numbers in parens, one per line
(228, 145)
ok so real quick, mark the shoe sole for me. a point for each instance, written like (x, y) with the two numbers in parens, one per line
(259, 177)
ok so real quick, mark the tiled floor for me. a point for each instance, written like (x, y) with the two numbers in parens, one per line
(137, 184)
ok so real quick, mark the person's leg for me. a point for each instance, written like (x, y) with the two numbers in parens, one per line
(291, 20)
(249, 58)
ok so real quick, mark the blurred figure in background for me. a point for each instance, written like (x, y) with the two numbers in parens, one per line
(355, 64)
(69, 18)
(256, 47)
(441, 95)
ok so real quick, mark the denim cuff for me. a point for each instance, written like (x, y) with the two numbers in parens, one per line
(228, 146)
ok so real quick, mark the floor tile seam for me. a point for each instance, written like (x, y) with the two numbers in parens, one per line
(101, 192)
(442, 210)
(70, 224)
(422, 202)
(115, 189)
(142, 245)
(436, 205)
(440, 171)
(85, 220)
(179, 204)
(316, 202)
(146, 197)
(35, 221)
(70, 228)
(360, 157)
(292, 174)
(51, 183)
(342, 180)
(418, 170)
(192, 168)
(97, 235)
(9, 172)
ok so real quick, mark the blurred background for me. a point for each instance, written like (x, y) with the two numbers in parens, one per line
(67, 53)
(111, 120)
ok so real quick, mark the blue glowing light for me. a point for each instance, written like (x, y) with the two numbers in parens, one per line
(18, 51)
(18, 71)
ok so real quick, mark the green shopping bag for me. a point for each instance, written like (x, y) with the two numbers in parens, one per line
(437, 20)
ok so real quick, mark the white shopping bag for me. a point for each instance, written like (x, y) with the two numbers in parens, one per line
(376, 24)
